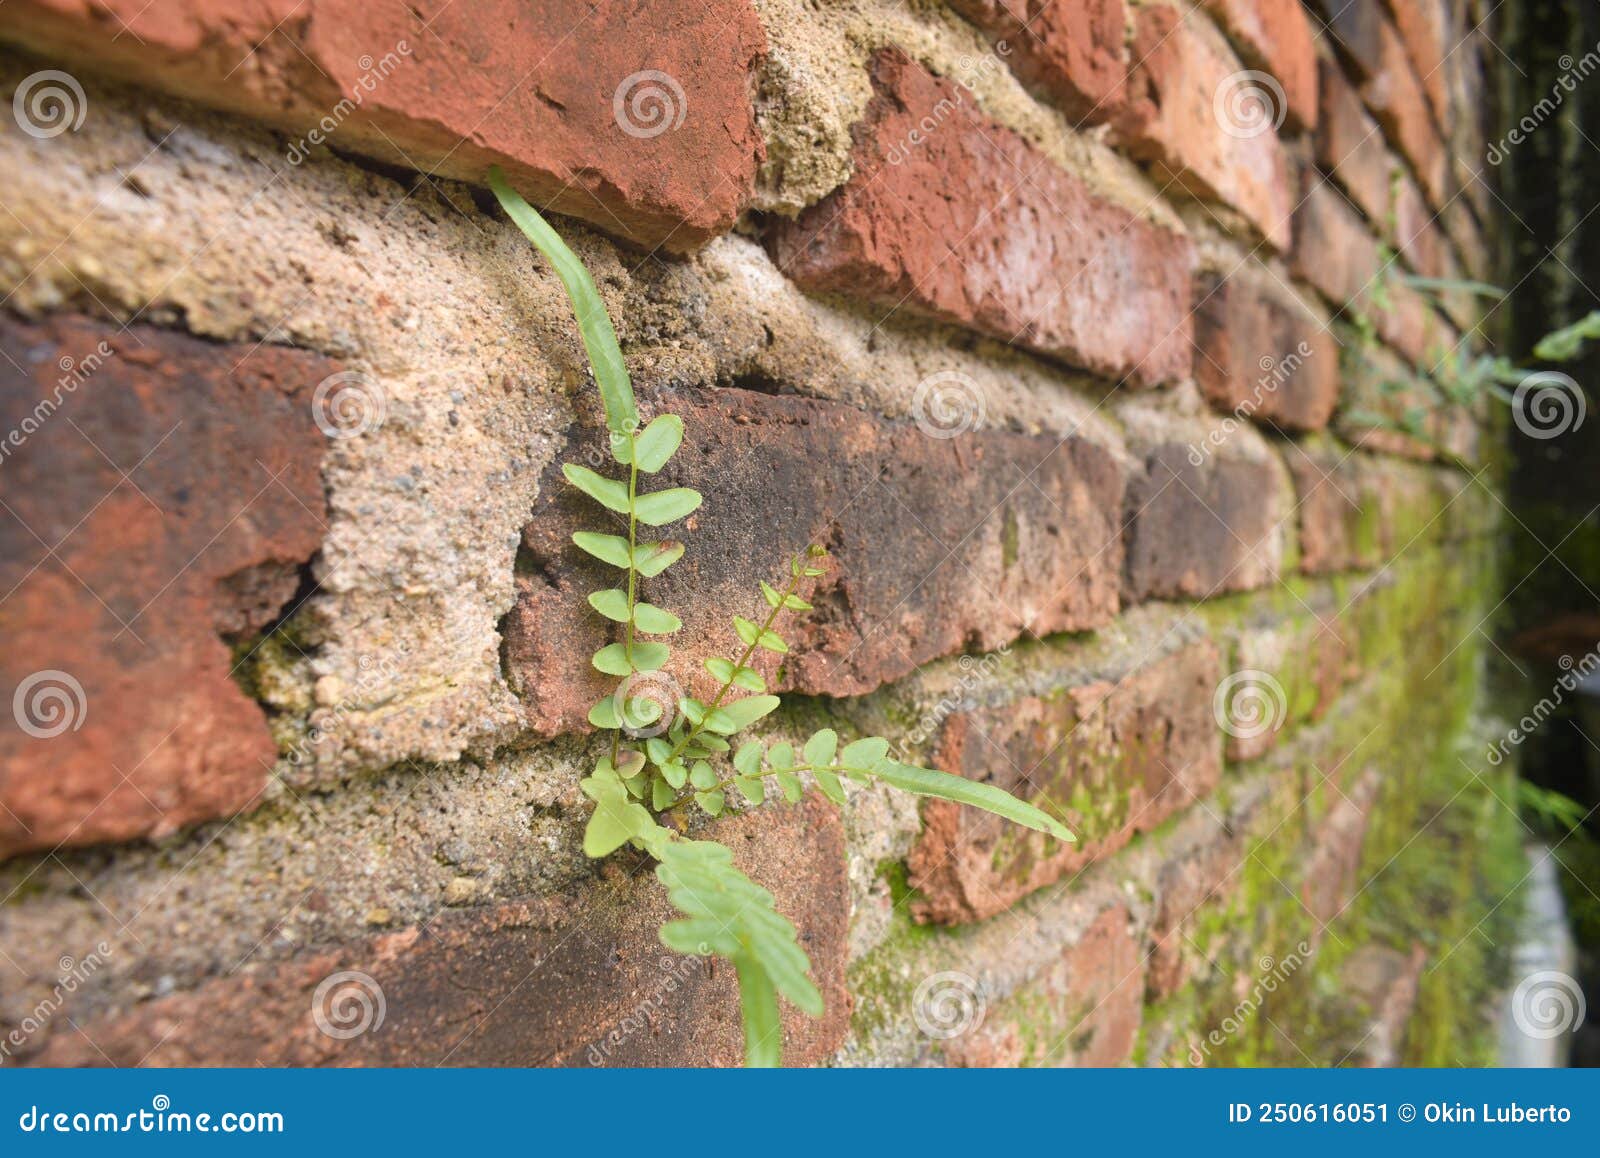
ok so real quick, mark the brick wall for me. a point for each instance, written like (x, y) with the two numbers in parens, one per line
(1078, 331)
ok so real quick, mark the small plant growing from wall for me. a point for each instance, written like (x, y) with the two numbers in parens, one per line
(674, 759)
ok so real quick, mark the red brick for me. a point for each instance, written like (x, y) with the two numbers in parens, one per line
(1085, 1009)
(134, 585)
(1396, 98)
(939, 545)
(497, 81)
(1337, 512)
(576, 980)
(1332, 248)
(1384, 983)
(1350, 145)
(1425, 30)
(1276, 38)
(1188, 882)
(1262, 356)
(1176, 121)
(1335, 859)
(1111, 759)
(1335, 252)
(1306, 660)
(954, 217)
(1417, 238)
(1072, 50)
(1196, 530)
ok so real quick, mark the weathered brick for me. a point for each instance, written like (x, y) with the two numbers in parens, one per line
(1396, 98)
(1261, 355)
(1183, 119)
(1338, 528)
(158, 495)
(576, 980)
(1191, 879)
(1084, 1010)
(1196, 530)
(938, 544)
(1417, 238)
(1287, 672)
(1356, 27)
(958, 218)
(1335, 252)
(1332, 248)
(1335, 857)
(1384, 983)
(1276, 38)
(1111, 759)
(649, 132)
(1070, 49)
(1350, 145)
(1425, 30)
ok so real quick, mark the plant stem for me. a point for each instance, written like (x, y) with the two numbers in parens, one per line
(723, 785)
(633, 588)
(766, 626)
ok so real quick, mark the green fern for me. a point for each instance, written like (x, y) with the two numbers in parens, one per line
(665, 758)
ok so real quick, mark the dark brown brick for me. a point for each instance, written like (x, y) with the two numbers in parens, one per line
(575, 980)
(1356, 27)
(1196, 530)
(1072, 50)
(453, 88)
(133, 584)
(1181, 76)
(1111, 759)
(938, 544)
(952, 216)
(1263, 356)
